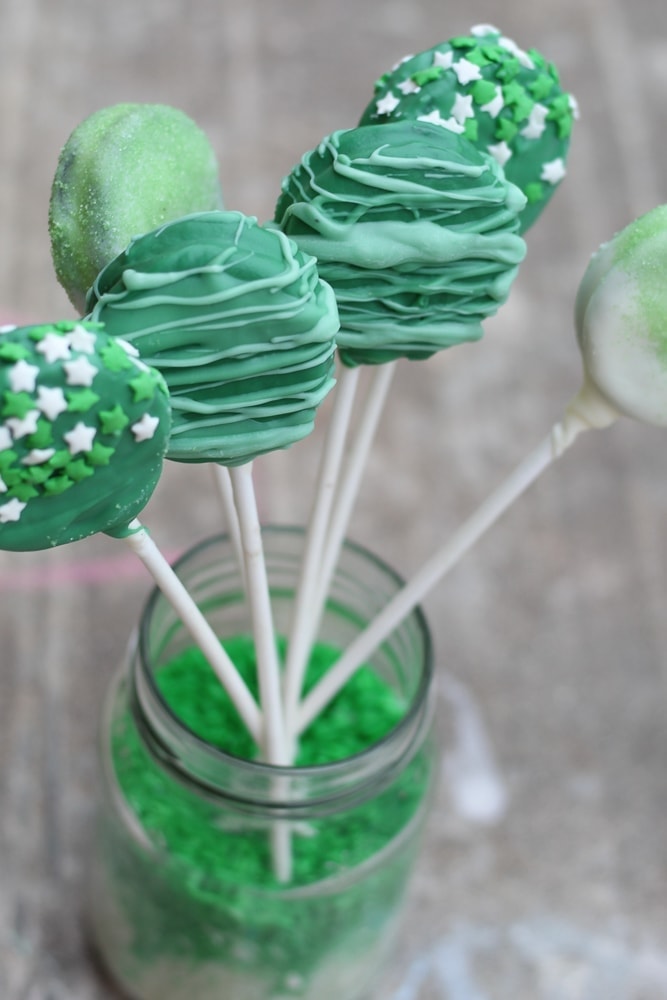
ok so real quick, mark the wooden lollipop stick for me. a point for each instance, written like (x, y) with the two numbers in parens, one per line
(437, 566)
(194, 621)
(300, 633)
(268, 668)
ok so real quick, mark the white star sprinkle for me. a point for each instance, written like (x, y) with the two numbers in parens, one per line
(435, 118)
(5, 438)
(443, 59)
(408, 87)
(54, 348)
(466, 71)
(496, 105)
(80, 438)
(510, 46)
(51, 402)
(500, 152)
(3, 485)
(82, 340)
(22, 426)
(574, 106)
(37, 456)
(11, 511)
(145, 428)
(553, 171)
(8, 328)
(22, 376)
(80, 371)
(536, 122)
(387, 104)
(481, 30)
(462, 108)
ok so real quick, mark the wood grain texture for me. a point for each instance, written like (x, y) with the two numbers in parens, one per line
(554, 625)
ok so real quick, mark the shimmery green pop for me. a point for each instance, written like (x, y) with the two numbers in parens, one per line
(239, 323)
(507, 102)
(123, 171)
(415, 230)
(621, 319)
(83, 433)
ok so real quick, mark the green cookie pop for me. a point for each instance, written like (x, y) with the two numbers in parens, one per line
(84, 427)
(508, 102)
(237, 320)
(415, 230)
(123, 171)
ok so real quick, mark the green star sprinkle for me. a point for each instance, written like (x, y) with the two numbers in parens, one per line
(541, 87)
(477, 57)
(100, 454)
(424, 76)
(59, 460)
(483, 91)
(144, 385)
(7, 459)
(17, 404)
(506, 130)
(43, 436)
(509, 70)
(471, 129)
(79, 470)
(58, 484)
(13, 352)
(113, 421)
(81, 400)
(115, 358)
(36, 475)
(24, 492)
(534, 192)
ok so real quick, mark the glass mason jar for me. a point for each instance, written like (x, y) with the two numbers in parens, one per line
(184, 905)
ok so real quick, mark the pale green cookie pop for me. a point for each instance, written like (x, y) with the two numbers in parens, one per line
(84, 426)
(123, 171)
(621, 319)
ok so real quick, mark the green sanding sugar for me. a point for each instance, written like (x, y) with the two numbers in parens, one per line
(362, 714)
(208, 893)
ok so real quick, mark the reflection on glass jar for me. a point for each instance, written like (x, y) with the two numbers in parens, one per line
(184, 902)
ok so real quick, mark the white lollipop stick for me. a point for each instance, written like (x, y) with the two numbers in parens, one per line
(300, 633)
(268, 669)
(587, 410)
(226, 494)
(348, 486)
(194, 621)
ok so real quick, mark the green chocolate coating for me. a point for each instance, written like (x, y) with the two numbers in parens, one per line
(123, 171)
(239, 323)
(506, 101)
(415, 230)
(83, 433)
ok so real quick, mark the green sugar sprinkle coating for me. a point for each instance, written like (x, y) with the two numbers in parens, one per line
(125, 170)
(212, 896)
(521, 115)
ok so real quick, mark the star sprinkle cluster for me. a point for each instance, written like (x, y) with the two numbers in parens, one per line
(507, 101)
(68, 396)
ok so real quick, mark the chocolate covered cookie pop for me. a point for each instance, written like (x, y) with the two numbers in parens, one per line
(238, 322)
(83, 433)
(123, 171)
(506, 101)
(415, 230)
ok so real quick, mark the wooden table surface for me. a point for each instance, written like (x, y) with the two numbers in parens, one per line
(545, 869)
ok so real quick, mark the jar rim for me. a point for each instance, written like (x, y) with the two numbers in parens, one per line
(261, 769)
